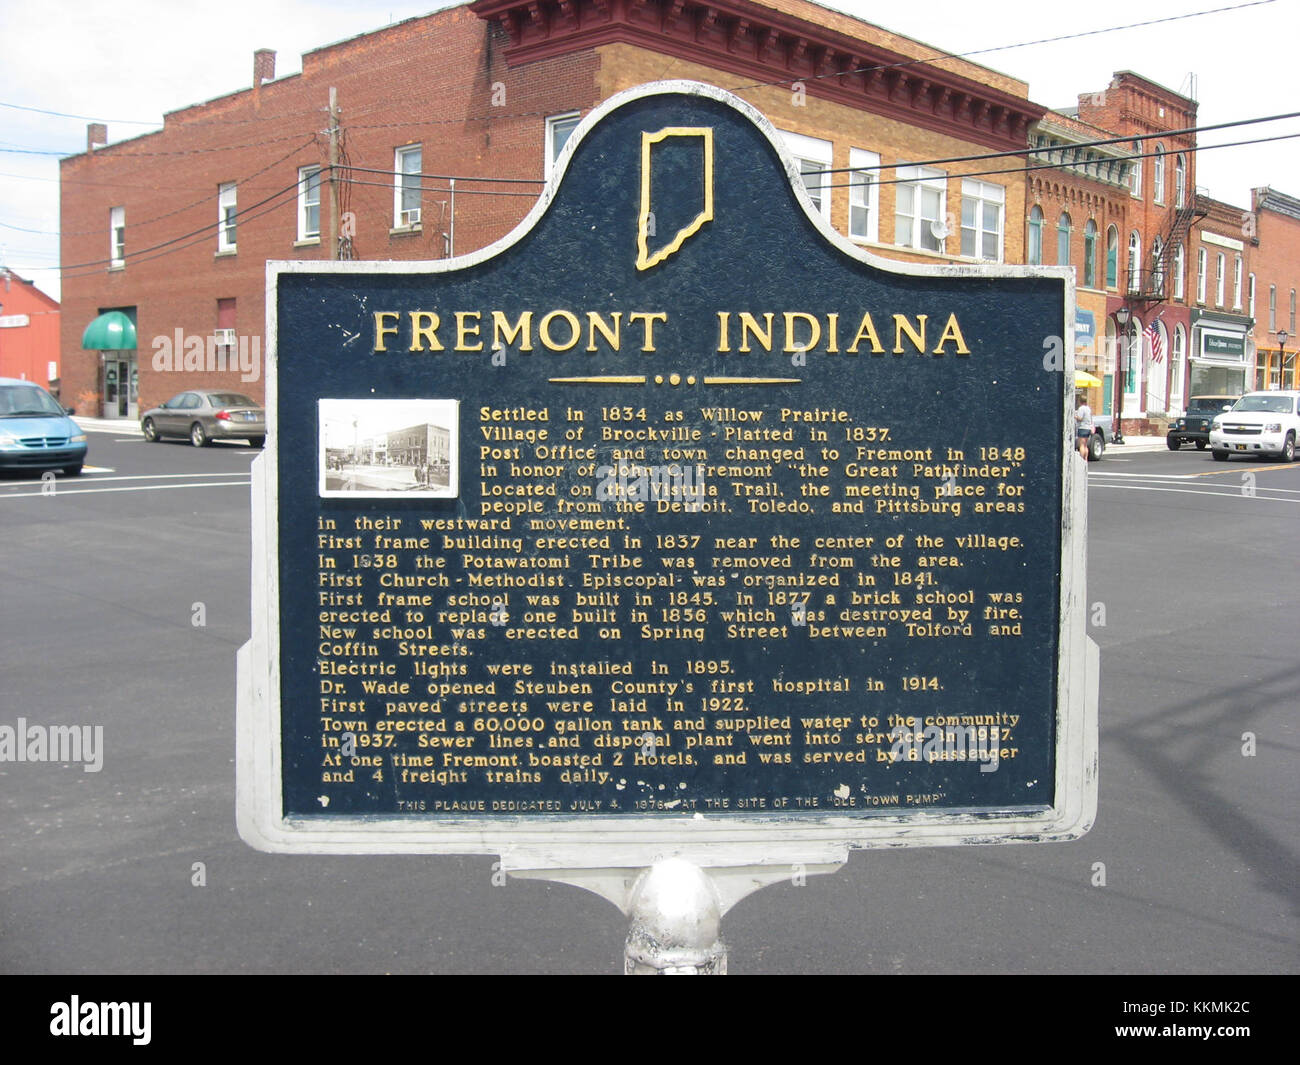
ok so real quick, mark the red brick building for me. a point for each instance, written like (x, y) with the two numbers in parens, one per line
(355, 158)
(1077, 194)
(1221, 353)
(29, 332)
(1153, 248)
(1273, 234)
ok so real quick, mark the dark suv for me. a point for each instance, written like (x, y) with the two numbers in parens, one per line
(1194, 426)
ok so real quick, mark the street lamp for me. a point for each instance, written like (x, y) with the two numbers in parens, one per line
(1282, 337)
(1121, 372)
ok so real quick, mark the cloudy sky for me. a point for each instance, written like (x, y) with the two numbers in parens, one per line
(129, 62)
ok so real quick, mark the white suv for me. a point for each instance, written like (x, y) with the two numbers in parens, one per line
(1265, 423)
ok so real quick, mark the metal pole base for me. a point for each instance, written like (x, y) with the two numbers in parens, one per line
(676, 919)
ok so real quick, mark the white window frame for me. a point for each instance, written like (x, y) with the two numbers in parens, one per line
(916, 225)
(227, 224)
(1251, 294)
(567, 121)
(1272, 308)
(1236, 284)
(1220, 278)
(402, 212)
(1202, 269)
(1180, 268)
(1134, 261)
(1158, 175)
(864, 195)
(1180, 182)
(982, 194)
(117, 236)
(813, 156)
(305, 204)
(1135, 174)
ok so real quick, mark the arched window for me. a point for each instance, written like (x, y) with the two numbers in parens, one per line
(1112, 257)
(1157, 266)
(1180, 268)
(1063, 240)
(1176, 360)
(1180, 182)
(1158, 178)
(1134, 262)
(1135, 172)
(1036, 236)
(1090, 254)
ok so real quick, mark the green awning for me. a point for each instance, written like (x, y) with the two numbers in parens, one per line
(111, 331)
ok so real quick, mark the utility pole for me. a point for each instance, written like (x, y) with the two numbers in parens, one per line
(334, 177)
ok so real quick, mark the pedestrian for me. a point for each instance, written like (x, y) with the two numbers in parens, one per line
(1083, 426)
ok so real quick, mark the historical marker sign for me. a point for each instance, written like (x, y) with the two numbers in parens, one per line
(671, 524)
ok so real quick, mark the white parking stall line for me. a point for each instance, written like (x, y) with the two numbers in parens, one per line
(61, 491)
(1229, 491)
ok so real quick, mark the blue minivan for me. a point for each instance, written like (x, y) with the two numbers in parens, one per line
(35, 432)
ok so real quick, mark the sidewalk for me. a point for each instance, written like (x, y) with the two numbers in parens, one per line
(1134, 443)
(122, 426)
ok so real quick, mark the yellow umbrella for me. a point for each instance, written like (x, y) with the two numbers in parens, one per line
(1083, 379)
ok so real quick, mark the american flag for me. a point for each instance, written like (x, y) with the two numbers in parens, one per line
(1153, 339)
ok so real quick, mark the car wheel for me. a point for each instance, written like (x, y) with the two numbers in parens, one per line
(1173, 442)
(1096, 447)
(1201, 445)
(1288, 449)
(198, 435)
(257, 441)
(73, 471)
(1220, 456)
(150, 431)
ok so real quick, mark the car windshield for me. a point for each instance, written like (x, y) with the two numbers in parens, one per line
(1266, 404)
(230, 399)
(17, 401)
(1207, 406)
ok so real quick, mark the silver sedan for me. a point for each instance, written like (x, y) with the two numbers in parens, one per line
(205, 415)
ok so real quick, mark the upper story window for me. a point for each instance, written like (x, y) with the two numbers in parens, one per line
(1180, 182)
(919, 208)
(1202, 268)
(1251, 294)
(1158, 266)
(1112, 257)
(1034, 253)
(864, 195)
(117, 236)
(1135, 172)
(558, 130)
(1220, 278)
(1158, 175)
(982, 208)
(1180, 268)
(1272, 308)
(309, 203)
(1090, 254)
(1236, 284)
(1293, 312)
(226, 217)
(407, 164)
(1134, 261)
(1063, 230)
(813, 158)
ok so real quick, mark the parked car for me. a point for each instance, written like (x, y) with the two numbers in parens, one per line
(204, 415)
(1194, 426)
(35, 432)
(1260, 423)
(1100, 437)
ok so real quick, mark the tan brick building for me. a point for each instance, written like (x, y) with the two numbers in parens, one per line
(433, 136)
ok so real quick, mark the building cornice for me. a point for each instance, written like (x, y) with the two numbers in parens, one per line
(770, 46)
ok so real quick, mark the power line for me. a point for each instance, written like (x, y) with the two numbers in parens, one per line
(84, 118)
